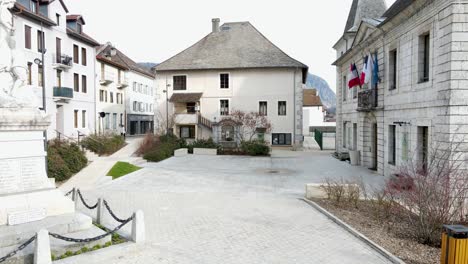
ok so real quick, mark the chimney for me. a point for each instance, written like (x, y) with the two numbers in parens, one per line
(215, 23)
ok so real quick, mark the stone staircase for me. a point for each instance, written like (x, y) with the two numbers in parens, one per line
(71, 225)
(91, 156)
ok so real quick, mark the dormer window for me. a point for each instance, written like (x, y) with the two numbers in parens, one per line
(79, 28)
(34, 6)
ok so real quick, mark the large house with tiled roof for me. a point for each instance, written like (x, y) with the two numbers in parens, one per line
(60, 60)
(125, 96)
(234, 67)
(419, 99)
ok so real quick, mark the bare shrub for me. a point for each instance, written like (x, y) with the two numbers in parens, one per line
(433, 194)
(341, 191)
(146, 144)
(352, 193)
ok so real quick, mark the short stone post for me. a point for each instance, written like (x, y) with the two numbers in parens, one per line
(138, 227)
(77, 198)
(100, 210)
(42, 249)
(74, 194)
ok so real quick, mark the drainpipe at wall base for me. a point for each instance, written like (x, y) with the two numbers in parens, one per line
(294, 105)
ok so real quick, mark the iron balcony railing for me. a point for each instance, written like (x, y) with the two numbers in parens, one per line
(367, 100)
(63, 92)
(63, 60)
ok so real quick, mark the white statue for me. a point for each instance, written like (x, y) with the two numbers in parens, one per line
(14, 93)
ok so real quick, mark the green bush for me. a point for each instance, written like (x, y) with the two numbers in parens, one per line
(73, 156)
(255, 148)
(161, 152)
(56, 167)
(103, 144)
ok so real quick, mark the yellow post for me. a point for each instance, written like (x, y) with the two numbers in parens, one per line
(454, 245)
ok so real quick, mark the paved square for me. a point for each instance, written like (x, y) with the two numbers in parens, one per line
(223, 209)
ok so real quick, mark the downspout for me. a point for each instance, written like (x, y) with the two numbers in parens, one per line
(294, 103)
(383, 101)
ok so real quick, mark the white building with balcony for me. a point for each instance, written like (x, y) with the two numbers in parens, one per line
(125, 94)
(233, 68)
(69, 65)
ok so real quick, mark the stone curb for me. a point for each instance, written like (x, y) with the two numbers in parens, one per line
(355, 233)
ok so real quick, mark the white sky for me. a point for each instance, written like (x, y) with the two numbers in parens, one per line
(153, 31)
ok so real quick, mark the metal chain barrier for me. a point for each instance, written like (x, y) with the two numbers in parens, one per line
(87, 240)
(84, 202)
(68, 193)
(14, 252)
(112, 213)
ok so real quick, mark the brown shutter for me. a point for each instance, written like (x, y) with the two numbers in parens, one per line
(84, 83)
(76, 55)
(76, 82)
(27, 37)
(83, 56)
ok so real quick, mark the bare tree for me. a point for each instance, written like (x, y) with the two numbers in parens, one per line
(161, 124)
(432, 194)
(250, 124)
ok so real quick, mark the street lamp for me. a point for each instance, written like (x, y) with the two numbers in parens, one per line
(167, 106)
(40, 62)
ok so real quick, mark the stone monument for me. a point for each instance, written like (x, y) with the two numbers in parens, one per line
(26, 193)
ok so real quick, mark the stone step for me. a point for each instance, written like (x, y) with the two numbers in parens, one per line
(70, 223)
(57, 247)
(104, 180)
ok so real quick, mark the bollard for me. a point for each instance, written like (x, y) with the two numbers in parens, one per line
(74, 194)
(138, 227)
(42, 249)
(100, 211)
(77, 198)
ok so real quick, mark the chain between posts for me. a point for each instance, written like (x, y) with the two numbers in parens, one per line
(84, 202)
(70, 192)
(87, 240)
(14, 252)
(112, 213)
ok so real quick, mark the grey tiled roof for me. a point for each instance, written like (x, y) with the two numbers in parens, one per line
(361, 9)
(397, 7)
(236, 45)
(121, 60)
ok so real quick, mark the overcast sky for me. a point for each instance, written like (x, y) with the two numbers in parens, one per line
(153, 31)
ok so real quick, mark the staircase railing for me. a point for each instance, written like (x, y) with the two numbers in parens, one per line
(204, 121)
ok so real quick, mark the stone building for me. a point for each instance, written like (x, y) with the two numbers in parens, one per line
(421, 97)
(233, 68)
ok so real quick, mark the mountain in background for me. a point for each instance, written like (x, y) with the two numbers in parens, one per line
(326, 94)
(147, 65)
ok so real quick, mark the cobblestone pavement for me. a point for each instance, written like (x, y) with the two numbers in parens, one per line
(230, 210)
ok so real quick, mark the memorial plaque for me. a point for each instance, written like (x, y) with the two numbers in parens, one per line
(26, 216)
(9, 176)
(22, 175)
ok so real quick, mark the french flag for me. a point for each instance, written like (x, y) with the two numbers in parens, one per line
(354, 77)
(366, 73)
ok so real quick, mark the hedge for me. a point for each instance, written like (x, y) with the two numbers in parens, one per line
(64, 159)
(103, 144)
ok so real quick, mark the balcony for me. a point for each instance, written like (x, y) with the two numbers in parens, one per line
(367, 101)
(63, 94)
(123, 83)
(62, 62)
(107, 78)
(186, 119)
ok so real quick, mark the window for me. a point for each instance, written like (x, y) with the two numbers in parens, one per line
(114, 121)
(57, 19)
(39, 76)
(76, 82)
(405, 146)
(79, 28)
(84, 84)
(34, 6)
(111, 97)
(101, 95)
(58, 50)
(59, 78)
(117, 95)
(355, 130)
(187, 131)
(76, 54)
(107, 120)
(40, 41)
(224, 80)
(84, 60)
(75, 118)
(180, 82)
(83, 118)
(134, 86)
(282, 108)
(121, 119)
(29, 73)
(224, 107)
(263, 108)
(393, 70)
(344, 134)
(345, 88)
(27, 37)
(392, 144)
(191, 108)
(424, 56)
(134, 106)
(423, 143)
(105, 96)
(281, 139)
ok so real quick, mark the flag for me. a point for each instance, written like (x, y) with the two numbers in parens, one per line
(366, 73)
(375, 72)
(353, 77)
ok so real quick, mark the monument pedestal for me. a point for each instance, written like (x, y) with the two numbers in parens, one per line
(26, 193)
